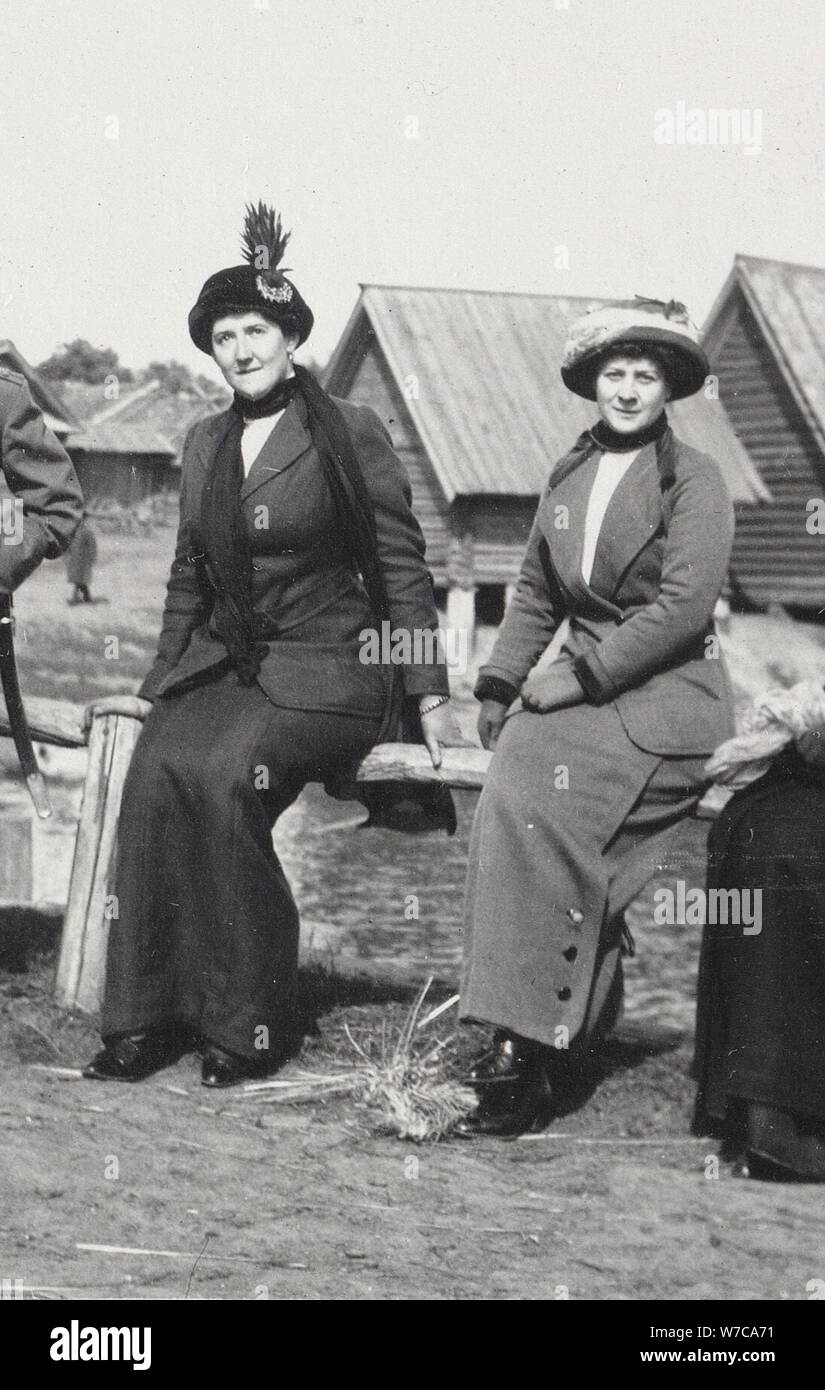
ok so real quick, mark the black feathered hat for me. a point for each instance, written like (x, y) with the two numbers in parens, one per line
(258, 285)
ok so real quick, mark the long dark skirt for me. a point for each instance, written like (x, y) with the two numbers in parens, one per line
(207, 932)
(760, 1032)
(571, 824)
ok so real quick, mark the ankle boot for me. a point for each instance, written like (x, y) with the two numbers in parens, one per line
(513, 1084)
(783, 1146)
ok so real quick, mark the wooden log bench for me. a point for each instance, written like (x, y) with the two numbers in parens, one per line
(110, 742)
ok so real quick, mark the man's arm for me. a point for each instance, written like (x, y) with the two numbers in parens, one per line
(40, 475)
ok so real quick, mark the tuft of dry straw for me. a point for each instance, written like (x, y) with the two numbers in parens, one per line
(401, 1079)
(405, 1081)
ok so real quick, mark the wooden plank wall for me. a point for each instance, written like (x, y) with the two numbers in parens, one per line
(775, 559)
(373, 385)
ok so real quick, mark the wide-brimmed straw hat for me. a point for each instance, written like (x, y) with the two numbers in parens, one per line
(256, 286)
(641, 322)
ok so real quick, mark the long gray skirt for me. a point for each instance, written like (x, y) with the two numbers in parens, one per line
(572, 823)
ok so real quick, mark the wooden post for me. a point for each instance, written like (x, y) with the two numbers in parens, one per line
(461, 612)
(81, 965)
(15, 860)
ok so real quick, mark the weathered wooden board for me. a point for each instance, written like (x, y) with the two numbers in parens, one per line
(85, 928)
(50, 721)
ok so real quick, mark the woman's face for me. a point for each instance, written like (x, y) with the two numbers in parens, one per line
(630, 392)
(252, 353)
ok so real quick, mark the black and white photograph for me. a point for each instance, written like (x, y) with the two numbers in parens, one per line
(412, 645)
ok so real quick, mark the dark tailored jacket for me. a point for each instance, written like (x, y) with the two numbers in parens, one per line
(304, 580)
(638, 630)
(39, 474)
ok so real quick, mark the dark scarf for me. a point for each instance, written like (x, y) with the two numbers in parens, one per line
(613, 442)
(226, 538)
(601, 437)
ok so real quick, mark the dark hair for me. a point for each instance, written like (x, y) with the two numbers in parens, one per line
(287, 324)
(665, 357)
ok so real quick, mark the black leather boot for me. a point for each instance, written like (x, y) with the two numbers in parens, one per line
(783, 1147)
(220, 1068)
(514, 1086)
(134, 1057)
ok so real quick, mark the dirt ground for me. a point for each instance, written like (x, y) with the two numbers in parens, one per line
(242, 1199)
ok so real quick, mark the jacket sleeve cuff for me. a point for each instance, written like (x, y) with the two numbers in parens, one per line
(495, 688)
(426, 680)
(593, 679)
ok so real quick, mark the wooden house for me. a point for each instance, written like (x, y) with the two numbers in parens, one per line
(130, 448)
(467, 383)
(765, 337)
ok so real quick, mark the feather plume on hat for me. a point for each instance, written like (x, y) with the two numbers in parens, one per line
(259, 284)
(263, 232)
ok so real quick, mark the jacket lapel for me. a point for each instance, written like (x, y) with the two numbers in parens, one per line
(633, 516)
(564, 530)
(287, 442)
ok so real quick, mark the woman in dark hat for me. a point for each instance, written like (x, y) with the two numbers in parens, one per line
(296, 540)
(600, 755)
(760, 1032)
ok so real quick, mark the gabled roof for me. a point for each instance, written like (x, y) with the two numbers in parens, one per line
(479, 373)
(788, 303)
(59, 419)
(143, 420)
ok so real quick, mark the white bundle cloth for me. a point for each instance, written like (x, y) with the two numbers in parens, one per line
(773, 721)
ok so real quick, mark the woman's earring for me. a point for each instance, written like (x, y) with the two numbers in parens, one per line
(290, 355)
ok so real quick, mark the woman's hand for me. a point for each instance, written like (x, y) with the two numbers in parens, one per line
(490, 721)
(440, 730)
(811, 747)
(555, 688)
(130, 705)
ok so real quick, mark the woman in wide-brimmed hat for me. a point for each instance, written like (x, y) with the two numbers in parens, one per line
(296, 540)
(600, 755)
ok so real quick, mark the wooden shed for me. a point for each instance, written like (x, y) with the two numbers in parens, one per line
(765, 337)
(130, 448)
(467, 383)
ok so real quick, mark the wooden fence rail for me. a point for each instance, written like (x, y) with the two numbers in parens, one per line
(110, 742)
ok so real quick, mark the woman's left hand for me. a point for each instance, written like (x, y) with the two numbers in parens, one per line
(440, 730)
(555, 688)
(811, 747)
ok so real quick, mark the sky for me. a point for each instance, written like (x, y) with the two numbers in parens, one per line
(530, 145)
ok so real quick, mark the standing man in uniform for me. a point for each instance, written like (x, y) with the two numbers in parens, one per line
(37, 520)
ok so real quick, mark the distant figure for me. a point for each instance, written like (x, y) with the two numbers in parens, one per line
(80, 562)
